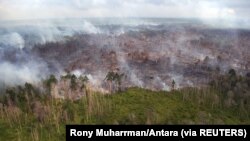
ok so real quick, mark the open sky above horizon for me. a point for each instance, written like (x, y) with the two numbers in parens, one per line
(205, 9)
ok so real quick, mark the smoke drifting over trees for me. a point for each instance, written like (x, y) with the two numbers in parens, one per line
(150, 52)
(121, 62)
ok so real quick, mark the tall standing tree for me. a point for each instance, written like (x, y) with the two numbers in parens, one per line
(48, 83)
(73, 83)
(118, 79)
(114, 77)
(173, 85)
(83, 80)
(110, 77)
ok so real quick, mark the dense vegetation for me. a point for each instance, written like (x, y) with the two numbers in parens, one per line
(29, 113)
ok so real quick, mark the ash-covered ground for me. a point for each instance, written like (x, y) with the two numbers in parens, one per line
(151, 53)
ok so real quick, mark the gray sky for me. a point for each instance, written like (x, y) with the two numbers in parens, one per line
(37, 9)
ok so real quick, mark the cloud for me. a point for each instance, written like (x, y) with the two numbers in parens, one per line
(215, 10)
(30, 9)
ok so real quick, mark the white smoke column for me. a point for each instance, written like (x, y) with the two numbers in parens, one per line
(77, 73)
(163, 85)
(13, 40)
(13, 74)
(30, 32)
(135, 80)
(90, 28)
(96, 82)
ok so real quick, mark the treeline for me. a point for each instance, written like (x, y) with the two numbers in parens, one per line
(32, 110)
(234, 89)
(73, 88)
(225, 92)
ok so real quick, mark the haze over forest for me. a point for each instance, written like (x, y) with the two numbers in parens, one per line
(121, 62)
(176, 34)
(153, 43)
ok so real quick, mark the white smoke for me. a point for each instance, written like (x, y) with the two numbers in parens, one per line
(161, 84)
(135, 80)
(90, 28)
(77, 73)
(13, 74)
(96, 81)
(179, 51)
(12, 40)
(28, 33)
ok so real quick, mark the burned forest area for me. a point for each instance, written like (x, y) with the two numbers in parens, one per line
(172, 72)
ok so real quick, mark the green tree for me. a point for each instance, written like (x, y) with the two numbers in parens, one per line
(51, 80)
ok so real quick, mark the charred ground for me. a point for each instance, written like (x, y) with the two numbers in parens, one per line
(152, 58)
